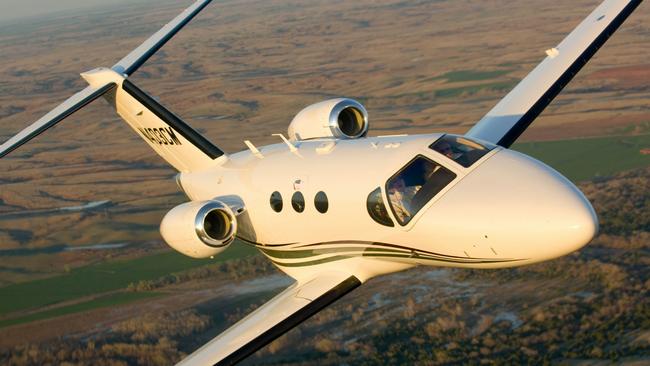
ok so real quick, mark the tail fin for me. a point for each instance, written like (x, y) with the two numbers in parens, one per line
(174, 140)
(169, 136)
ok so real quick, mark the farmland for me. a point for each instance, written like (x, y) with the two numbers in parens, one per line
(115, 299)
(589, 158)
(86, 282)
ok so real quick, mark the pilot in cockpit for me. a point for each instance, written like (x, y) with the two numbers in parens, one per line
(445, 149)
(411, 188)
(400, 198)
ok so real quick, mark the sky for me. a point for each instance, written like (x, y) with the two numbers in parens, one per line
(21, 9)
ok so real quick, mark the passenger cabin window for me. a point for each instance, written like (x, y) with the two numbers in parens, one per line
(298, 202)
(415, 185)
(276, 201)
(377, 209)
(461, 149)
(320, 202)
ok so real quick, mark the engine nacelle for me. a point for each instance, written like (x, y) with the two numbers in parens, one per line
(199, 229)
(340, 118)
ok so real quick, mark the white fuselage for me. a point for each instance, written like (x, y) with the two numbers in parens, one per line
(506, 209)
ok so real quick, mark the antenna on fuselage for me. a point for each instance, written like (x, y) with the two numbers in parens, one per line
(292, 147)
(253, 149)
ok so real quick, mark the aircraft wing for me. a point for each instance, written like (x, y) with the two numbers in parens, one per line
(131, 62)
(517, 110)
(288, 309)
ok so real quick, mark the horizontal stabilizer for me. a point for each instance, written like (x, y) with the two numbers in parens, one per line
(173, 139)
(288, 309)
(516, 111)
(131, 62)
(58, 114)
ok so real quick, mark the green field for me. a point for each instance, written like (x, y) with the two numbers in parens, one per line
(456, 92)
(473, 89)
(472, 75)
(104, 277)
(119, 298)
(585, 159)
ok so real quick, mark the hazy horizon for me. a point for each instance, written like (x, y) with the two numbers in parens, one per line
(11, 10)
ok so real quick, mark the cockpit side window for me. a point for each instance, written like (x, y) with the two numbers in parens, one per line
(461, 149)
(415, 185)
(377, 209)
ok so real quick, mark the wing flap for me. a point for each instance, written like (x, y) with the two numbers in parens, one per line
(516, 111)
(56, 115)
(288, 309)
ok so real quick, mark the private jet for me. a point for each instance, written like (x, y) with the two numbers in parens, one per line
(333, 207)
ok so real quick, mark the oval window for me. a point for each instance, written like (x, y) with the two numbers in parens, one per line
(298, 202)
(377, 209)
(320, 201)
(276, 201)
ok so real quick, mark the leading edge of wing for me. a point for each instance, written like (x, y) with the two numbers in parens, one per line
(518, 109)
(276, 317)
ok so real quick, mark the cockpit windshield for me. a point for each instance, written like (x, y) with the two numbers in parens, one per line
(461, 149)
(413, 186)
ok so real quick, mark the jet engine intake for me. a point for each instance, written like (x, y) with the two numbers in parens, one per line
(199, 229)
(339, 118)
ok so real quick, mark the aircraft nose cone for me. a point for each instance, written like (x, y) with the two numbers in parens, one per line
(576, 223)
(552, 214)
(512, 207)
